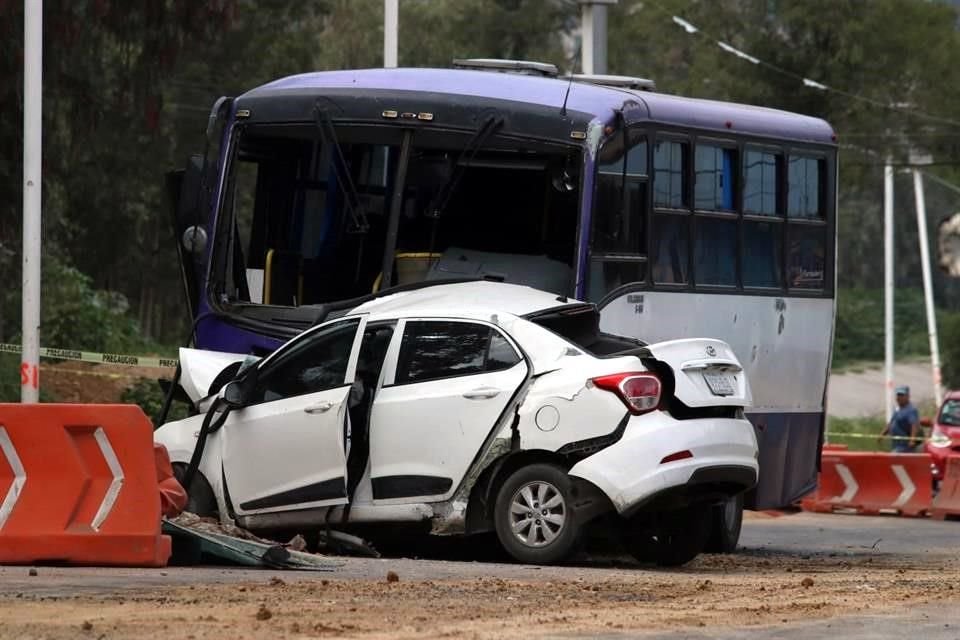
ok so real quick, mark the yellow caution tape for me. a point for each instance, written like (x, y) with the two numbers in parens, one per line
(97, 358)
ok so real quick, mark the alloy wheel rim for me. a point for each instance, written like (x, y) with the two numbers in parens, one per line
(538, 514)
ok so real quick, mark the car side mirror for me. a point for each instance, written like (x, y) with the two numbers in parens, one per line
(926, 422)
(233, 394)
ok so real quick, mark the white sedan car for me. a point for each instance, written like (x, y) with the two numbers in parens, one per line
(474, 407)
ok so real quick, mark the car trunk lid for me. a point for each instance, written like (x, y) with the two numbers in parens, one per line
(706, 372)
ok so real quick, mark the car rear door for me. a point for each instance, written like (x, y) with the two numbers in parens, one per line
(446, 385)
(286, 449)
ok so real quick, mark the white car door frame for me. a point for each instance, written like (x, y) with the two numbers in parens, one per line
(425, 435)
(288, 453)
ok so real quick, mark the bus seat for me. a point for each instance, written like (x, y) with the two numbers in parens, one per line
(539, 272)
(410, 267)
(283, 278)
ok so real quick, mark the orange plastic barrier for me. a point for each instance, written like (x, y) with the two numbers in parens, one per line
(872, 483)
(835, 447)
(78, 485)
(173, 499)
(947, 503)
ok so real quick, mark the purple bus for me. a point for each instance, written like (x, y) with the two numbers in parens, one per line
(678, 217)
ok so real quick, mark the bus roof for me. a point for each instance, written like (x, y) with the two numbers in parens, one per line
(588, 101)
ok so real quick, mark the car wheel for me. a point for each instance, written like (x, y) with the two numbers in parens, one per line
(673, 539)
(534, 517)
(200, 498)
(726, 520)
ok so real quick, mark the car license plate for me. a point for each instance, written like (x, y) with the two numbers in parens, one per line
(721, 384)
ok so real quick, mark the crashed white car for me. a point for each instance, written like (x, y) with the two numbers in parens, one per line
(474, 407)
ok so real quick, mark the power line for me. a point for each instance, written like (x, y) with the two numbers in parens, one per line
(809, 83)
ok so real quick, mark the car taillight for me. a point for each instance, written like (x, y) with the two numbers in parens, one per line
(639, 391)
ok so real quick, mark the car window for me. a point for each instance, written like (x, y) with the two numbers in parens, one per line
(442, 349)
(316, 363)
(950, 413)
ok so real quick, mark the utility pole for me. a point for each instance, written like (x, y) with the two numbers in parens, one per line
(32, 162)
(391, 20)
(593, 33)
(927, 283)
(888, 285)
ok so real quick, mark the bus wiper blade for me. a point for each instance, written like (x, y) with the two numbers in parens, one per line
(490, 126)
(358, 215)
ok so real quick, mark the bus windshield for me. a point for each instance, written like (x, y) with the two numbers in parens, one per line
(307, 227)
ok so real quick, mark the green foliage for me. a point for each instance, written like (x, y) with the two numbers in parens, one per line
(950, 351)
(848, 431)
(148, 394)
(859, 329)
(10, 380)
(127, 95)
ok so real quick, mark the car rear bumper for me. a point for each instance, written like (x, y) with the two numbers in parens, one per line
(633, 474)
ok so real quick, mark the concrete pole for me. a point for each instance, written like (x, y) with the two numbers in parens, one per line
(927, 283)
(888, 286)
(600, 39)
(587, 44)
(32, 161)
(391, 20)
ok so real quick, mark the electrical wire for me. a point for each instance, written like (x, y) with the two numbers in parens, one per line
(810, 83)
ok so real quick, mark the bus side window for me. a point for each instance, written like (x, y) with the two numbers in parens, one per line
(762, 248)
(714, 172)
(669, 174)
(804, 195)
(761, 182)
(671, 248)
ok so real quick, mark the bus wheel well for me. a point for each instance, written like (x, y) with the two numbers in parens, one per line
(484, 493)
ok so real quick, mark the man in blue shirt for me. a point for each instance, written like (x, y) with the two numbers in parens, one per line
(904, 425)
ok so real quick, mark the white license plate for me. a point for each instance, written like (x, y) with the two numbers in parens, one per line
(721, 384)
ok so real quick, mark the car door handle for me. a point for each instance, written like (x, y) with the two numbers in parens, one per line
(320, 407)
(482, 393)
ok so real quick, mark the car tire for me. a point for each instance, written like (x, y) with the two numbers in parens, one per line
(673, 539)
(726, 520)
(519, 517)
(200, 498)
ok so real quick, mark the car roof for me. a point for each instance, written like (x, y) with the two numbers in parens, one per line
(601, 103)
(472, 300)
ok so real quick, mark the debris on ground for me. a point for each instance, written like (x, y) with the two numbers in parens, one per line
(264, 613)
(806, 582)
(392, 576)
(32, 572)
(204, 540)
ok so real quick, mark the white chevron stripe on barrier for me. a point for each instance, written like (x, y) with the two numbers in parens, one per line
(19, 476)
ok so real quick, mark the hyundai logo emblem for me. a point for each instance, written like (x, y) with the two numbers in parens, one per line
(711, 351)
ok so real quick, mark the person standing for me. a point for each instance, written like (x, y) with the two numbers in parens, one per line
(904, 424)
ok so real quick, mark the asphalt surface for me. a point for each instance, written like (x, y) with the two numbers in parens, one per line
(812, 540)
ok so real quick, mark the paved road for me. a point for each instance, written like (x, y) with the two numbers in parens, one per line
(860, 394)
(893, 571)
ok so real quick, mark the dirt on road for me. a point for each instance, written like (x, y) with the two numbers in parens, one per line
(754, 588)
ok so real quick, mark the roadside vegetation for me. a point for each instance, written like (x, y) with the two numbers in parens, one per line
(127, 96)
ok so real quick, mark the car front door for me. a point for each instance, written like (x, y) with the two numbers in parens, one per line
(285, 449)
(445, 388)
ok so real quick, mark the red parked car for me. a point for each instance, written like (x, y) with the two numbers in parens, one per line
(944, 439)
